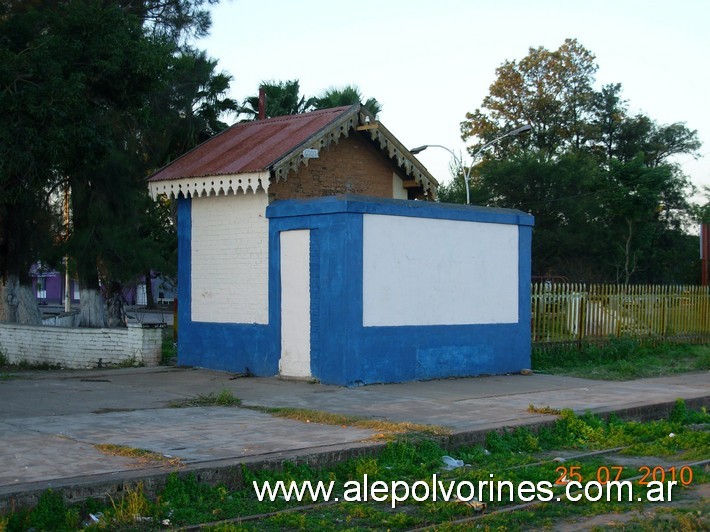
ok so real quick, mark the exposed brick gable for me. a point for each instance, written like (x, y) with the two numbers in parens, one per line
(352, 166)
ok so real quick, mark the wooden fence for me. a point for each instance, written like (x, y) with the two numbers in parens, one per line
(565, 313)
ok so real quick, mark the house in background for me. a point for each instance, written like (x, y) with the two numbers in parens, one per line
(49, 288)
(301, 253)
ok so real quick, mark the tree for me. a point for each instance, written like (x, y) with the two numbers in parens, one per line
(187, 111)
(609, 203)
(282, 98)
(285, 98)
(174, 20)
(180, 107)
(30, 140)
(551, 91)
(348, 95)
(77, 79)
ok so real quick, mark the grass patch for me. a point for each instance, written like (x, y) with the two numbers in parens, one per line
(221, 398)
(142, 455)
(168, 354)
(510, 456)
(40, 366)
(51, 513)
(385, 429)
(132, 508)
(691, 516)
(621, 359)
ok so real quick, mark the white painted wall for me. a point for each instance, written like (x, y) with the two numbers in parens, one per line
(398, 190)
(295, 304)
(79, 348)
(230, 259)
(421, 271)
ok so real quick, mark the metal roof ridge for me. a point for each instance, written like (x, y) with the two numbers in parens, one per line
(343, 115)
(253, 123)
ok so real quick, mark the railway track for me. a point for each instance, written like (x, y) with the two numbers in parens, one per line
(564, 467)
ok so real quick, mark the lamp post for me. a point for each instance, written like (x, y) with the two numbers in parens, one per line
(459, 160)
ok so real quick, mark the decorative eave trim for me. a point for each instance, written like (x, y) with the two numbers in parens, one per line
(357, 118)
(218, 185)
(330, 134)
(411, 166)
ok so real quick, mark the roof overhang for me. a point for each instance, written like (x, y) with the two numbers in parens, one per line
(216, 185)
(200, 173)
(357, 118)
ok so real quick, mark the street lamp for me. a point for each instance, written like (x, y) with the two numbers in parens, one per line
(459, 160)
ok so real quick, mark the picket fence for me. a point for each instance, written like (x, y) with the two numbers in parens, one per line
(568, 312)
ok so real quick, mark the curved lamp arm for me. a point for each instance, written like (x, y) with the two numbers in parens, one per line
(459, 160)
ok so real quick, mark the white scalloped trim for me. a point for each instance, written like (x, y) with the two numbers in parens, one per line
(196, 187)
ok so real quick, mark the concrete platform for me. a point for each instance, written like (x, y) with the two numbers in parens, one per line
(51, 422)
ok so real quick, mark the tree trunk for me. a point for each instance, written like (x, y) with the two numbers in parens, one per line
(18, 303)
(629, 268)
(93, 313)
(116, 312)
(149, 299)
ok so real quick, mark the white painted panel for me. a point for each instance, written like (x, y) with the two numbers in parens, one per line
(421, 271)
(295, 304)
(398, 190)
(230, 259)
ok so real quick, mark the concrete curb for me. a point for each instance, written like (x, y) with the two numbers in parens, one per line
(230, 471)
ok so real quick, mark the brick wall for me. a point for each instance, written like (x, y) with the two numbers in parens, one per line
(230, 259)
(79, 348)
(352, 166)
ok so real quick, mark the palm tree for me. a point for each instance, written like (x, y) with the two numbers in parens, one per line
(282, 98)
(348, 95)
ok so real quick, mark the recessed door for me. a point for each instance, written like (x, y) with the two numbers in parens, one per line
(295, 304)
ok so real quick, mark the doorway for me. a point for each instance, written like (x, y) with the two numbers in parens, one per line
(295, 304)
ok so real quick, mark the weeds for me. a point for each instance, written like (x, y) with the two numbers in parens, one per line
(27, 365)
(168, 355)
(384, 429)
(131, 362)
(131, 508)
(513, 456)
(51, 513)
(691, 517)
(542, 410)
(222, 398)
(142, 455)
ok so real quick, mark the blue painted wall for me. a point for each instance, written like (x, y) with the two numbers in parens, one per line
(344, 352)
(238, 347)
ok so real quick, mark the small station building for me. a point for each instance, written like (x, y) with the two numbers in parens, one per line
(311, 246)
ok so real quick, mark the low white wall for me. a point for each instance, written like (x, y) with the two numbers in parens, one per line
(80, 348)
(70, 319)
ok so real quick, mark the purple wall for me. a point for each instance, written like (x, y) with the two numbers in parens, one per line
(49, 288)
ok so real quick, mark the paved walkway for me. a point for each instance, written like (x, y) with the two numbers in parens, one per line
(50, 422)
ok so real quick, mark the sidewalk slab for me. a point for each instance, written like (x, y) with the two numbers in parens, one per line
(51, 422)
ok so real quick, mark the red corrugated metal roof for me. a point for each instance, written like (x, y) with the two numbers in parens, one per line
(249, 147)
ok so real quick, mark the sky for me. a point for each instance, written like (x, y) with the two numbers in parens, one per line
(428, 63)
